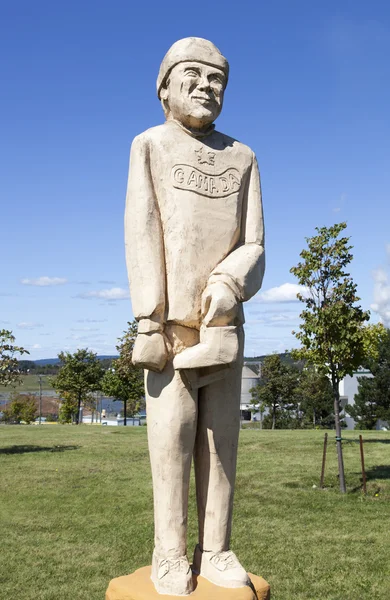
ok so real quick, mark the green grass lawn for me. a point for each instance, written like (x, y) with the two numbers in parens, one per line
(76, 511)
(29, 383)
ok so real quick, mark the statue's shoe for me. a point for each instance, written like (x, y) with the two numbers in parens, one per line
(221, 568)
(172, 576)
(217, 346)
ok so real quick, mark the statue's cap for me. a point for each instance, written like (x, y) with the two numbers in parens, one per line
(191, 49)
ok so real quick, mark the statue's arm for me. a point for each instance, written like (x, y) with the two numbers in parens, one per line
(145, 258)
(243, 269)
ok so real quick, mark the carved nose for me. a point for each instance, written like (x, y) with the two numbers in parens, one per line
(204, 84)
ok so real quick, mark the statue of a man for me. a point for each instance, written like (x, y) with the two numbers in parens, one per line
(195, 253)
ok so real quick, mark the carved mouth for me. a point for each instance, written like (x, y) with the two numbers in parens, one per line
(202, 99)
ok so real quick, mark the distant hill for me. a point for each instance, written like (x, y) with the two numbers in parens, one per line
(55, 361)
(284, 356)
(50, 366)
(34, 365)
(46, 361)
(254, 362)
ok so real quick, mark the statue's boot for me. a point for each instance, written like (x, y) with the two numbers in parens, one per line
(172, 576)
(217, 346)
(221, 568)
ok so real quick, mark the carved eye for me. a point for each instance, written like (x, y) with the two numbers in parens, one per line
(192, 73)
(216, 79)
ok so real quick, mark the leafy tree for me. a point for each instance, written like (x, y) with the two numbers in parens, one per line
(331, 332)
(314, 396)
(79, 375)
(123, 380)
(9, 368)
(68, 409)
(372, 402)
(365, 408)
(22, 407)
(275, 389)
(373, 335)
(381, 371)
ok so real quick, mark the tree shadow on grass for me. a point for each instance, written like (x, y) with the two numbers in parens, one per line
(378, 472)
(375, 440)
(23, 449)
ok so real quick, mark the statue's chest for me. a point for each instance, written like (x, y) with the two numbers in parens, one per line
(200, 169)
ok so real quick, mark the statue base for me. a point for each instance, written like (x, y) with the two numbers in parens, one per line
(139, 586)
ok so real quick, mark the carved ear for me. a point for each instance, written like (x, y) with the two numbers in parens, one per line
(164, 98)
(164, 93)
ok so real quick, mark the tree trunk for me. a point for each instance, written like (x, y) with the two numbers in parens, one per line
(338, 433)
(314, 418)
(273, 416)
(78, 409)
(125, 409)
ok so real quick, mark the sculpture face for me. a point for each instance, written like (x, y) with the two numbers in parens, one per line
(194, 93)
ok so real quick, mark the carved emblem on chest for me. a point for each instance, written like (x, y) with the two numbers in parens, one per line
(185, 177)
(205, 158)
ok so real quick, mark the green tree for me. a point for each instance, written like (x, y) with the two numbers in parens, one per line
(79, 376)
(123, 380)
(314, 396)
(331, 332)
(68, 408)
(9, 367)
(365, 408)
(275, 390)
(373, 335)
(372, 402)
(22, 407)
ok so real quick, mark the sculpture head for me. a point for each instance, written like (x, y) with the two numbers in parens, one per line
(191, 82)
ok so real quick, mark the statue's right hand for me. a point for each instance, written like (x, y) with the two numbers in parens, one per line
(150, 351)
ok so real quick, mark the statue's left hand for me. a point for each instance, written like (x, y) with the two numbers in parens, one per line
(219, 305)
(150, 351)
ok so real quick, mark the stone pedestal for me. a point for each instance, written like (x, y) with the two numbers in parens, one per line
(139, 586)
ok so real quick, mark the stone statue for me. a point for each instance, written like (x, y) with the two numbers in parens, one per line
(195, 253)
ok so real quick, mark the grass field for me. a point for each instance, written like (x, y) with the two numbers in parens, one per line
(76, 511)
(29, 383)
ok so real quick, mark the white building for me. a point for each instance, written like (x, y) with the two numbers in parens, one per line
(348, 387)
(249, 380)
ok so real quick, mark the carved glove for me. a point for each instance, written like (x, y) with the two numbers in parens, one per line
(150, 351)
(219, 305)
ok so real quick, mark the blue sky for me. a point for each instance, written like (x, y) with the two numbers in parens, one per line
(309, 91)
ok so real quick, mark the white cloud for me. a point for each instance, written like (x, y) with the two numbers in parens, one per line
(85, 338)
(92, 320)
(280, 318)
(36, 347)
(44, 281)
(287, 292)
(28, 325)
(115, 293)
(85, 329)
(381, 304)
(259, 345)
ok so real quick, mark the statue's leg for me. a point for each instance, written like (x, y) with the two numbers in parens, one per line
(215, 472)
(171, 415)
(215, 455)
